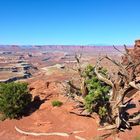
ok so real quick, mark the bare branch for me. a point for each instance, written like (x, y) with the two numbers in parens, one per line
(122, 70)
(100, 77)
(133, 84)
(135, 120)
(72, 85)
(130, 60)
(126, 50)
(81, 114)
(109, 127)
(114, 61)
(118, 50)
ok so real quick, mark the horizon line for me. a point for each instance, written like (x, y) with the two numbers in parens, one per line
(65, 45)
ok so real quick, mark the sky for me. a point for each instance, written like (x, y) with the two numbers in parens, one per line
(69, 22)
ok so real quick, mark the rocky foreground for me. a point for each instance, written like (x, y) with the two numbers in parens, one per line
(44, 118)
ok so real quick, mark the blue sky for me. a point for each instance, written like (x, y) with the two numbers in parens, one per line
(68, 22)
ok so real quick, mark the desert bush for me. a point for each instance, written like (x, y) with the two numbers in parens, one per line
(56, 103)
(98, 92)
(14, 97)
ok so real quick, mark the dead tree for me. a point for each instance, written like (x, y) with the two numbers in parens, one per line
(124, 86)
(82, 90)
(121, 86)
(123, 82)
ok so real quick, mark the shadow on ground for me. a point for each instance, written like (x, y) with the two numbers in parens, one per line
(33, 106)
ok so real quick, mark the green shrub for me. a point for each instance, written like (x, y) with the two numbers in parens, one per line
(56, 103)
(102, 111)
(14, 97)
(97, 98)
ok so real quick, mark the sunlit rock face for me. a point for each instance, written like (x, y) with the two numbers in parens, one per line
(137, 50)
(137, 43)
(135, 55)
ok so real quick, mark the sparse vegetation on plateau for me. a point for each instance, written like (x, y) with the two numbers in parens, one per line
(14, 97)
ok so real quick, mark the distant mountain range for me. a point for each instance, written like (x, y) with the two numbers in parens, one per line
(65, 48)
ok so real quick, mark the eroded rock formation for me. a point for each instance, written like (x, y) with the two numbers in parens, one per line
(135, 54)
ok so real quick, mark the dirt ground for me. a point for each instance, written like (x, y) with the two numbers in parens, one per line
(56, 119)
